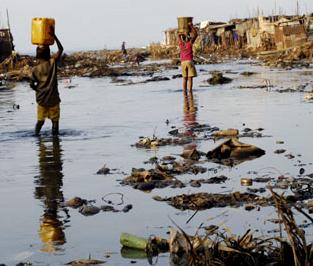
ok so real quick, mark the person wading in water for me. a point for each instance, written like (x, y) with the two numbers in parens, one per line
(185, 43)
(44, 82)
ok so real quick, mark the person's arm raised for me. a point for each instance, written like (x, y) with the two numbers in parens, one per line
(58, 55)
(194, 33)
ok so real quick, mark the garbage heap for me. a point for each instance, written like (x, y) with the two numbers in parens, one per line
(84, 64)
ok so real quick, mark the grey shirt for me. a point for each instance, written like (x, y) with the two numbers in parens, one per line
(45, 74)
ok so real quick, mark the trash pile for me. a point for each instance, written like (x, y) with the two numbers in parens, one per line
(16, 67)
(212, 245)
(301, 56)
(308, 97)
(298, 191)
(204, 201)
(158, 51)
(149, 143)
(164, 174)
(148, 180)
(194, 133)
(297, 56)
(83, 64)
(98, 63)
(233, 152)
(87, 207)
(218, 79)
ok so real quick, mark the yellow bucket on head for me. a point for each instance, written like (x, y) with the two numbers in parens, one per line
(183, 22)
(41, 31)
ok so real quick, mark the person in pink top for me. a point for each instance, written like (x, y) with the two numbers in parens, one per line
(185, 43)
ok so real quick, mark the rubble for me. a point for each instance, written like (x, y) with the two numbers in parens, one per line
(213, 180)
(75, 202)
(113, 64)
(148, 143)
(309, 97)
(226, 133)
(150, 179)
(218, 78)
(191, 154)
(211, 246)
(84, 64)
(103, 171)
(280, 151)
(158, 51)
(204, 201)
(300, 56)
(247, 73)
(233, 152)
(86, 208)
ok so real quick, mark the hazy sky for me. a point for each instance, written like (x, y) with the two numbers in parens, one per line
(96, 24)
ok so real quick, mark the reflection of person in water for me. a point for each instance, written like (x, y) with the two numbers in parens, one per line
(190, 119)
(48, 190)
(190, 113)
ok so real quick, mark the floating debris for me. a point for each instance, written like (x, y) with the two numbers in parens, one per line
(233, 152)
(204, 201)
(89, 210)
(192, 154)
(247, 73)
(213, 180)
(280, 151)
(150, 143)
(309, 97)
(85, 262)
(246, 181)
(226, 133)
(218, 79)
(103, 171)
(150, 179)
(75, 202)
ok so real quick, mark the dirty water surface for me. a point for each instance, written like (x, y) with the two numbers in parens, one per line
(100, 122)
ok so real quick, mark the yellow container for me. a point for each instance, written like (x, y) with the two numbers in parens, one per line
(183, 24)
(41, 31)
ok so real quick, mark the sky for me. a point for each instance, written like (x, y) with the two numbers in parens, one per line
(98, 24)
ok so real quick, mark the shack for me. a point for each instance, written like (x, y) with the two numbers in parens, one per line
(249, 33)
(170, 37)
(290, 33)
(261, 32)
(207, 34)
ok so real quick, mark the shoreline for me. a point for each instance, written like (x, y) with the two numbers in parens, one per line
(112, 63)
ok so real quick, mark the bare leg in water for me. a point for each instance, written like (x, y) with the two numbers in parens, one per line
(185, 83)
(55, 128)
(190, 83)
(38, 127)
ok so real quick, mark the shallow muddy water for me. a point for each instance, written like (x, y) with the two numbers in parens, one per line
(100, 120)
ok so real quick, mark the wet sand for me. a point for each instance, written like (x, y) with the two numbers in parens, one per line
(100, 121)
